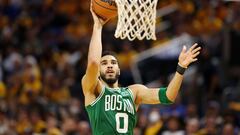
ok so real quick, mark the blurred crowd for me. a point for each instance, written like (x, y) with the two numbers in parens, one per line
(43, 53)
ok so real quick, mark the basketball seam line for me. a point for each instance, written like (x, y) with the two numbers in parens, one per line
(103, 6)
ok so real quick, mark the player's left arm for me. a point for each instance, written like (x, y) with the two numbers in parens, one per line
(144, 95)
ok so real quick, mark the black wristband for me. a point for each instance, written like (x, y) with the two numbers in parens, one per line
(180, 69)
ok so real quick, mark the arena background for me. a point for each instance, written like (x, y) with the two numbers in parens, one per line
(43, 53)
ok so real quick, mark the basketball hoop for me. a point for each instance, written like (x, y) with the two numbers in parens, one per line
(136, 19)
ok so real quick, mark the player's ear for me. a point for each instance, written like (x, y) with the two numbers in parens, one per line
(99, 75)
(119, 72)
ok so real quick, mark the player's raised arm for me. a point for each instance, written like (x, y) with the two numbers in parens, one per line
(186, 57)
(144, 95)
(90, 79)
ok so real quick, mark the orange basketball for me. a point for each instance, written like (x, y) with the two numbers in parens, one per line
(106, 9)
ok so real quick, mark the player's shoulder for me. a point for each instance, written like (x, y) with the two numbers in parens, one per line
(137, 86)
(136, 89)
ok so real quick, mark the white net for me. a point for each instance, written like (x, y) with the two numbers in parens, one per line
(136, 19)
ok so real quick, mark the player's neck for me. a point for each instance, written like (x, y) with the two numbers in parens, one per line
(114, 85)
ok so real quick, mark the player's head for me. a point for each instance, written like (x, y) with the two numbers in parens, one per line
(109, 68)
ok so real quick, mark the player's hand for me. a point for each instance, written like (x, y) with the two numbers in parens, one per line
(188, 56)
(97, 20)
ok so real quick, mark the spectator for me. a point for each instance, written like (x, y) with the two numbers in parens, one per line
(173, 127)
(192, 126)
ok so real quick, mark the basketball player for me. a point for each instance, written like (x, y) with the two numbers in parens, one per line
(112, 109)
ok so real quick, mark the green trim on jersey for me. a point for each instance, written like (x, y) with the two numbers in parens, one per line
(98, 98)
(113, 112)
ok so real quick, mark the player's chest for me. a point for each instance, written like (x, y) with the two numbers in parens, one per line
(118, 102)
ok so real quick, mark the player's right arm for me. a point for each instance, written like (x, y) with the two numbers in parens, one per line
(90, 82)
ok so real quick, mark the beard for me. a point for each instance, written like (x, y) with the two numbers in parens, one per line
(109, 81)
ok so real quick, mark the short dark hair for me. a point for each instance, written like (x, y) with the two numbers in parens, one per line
(109, 53)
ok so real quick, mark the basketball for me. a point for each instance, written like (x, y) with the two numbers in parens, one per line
(106, 9)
